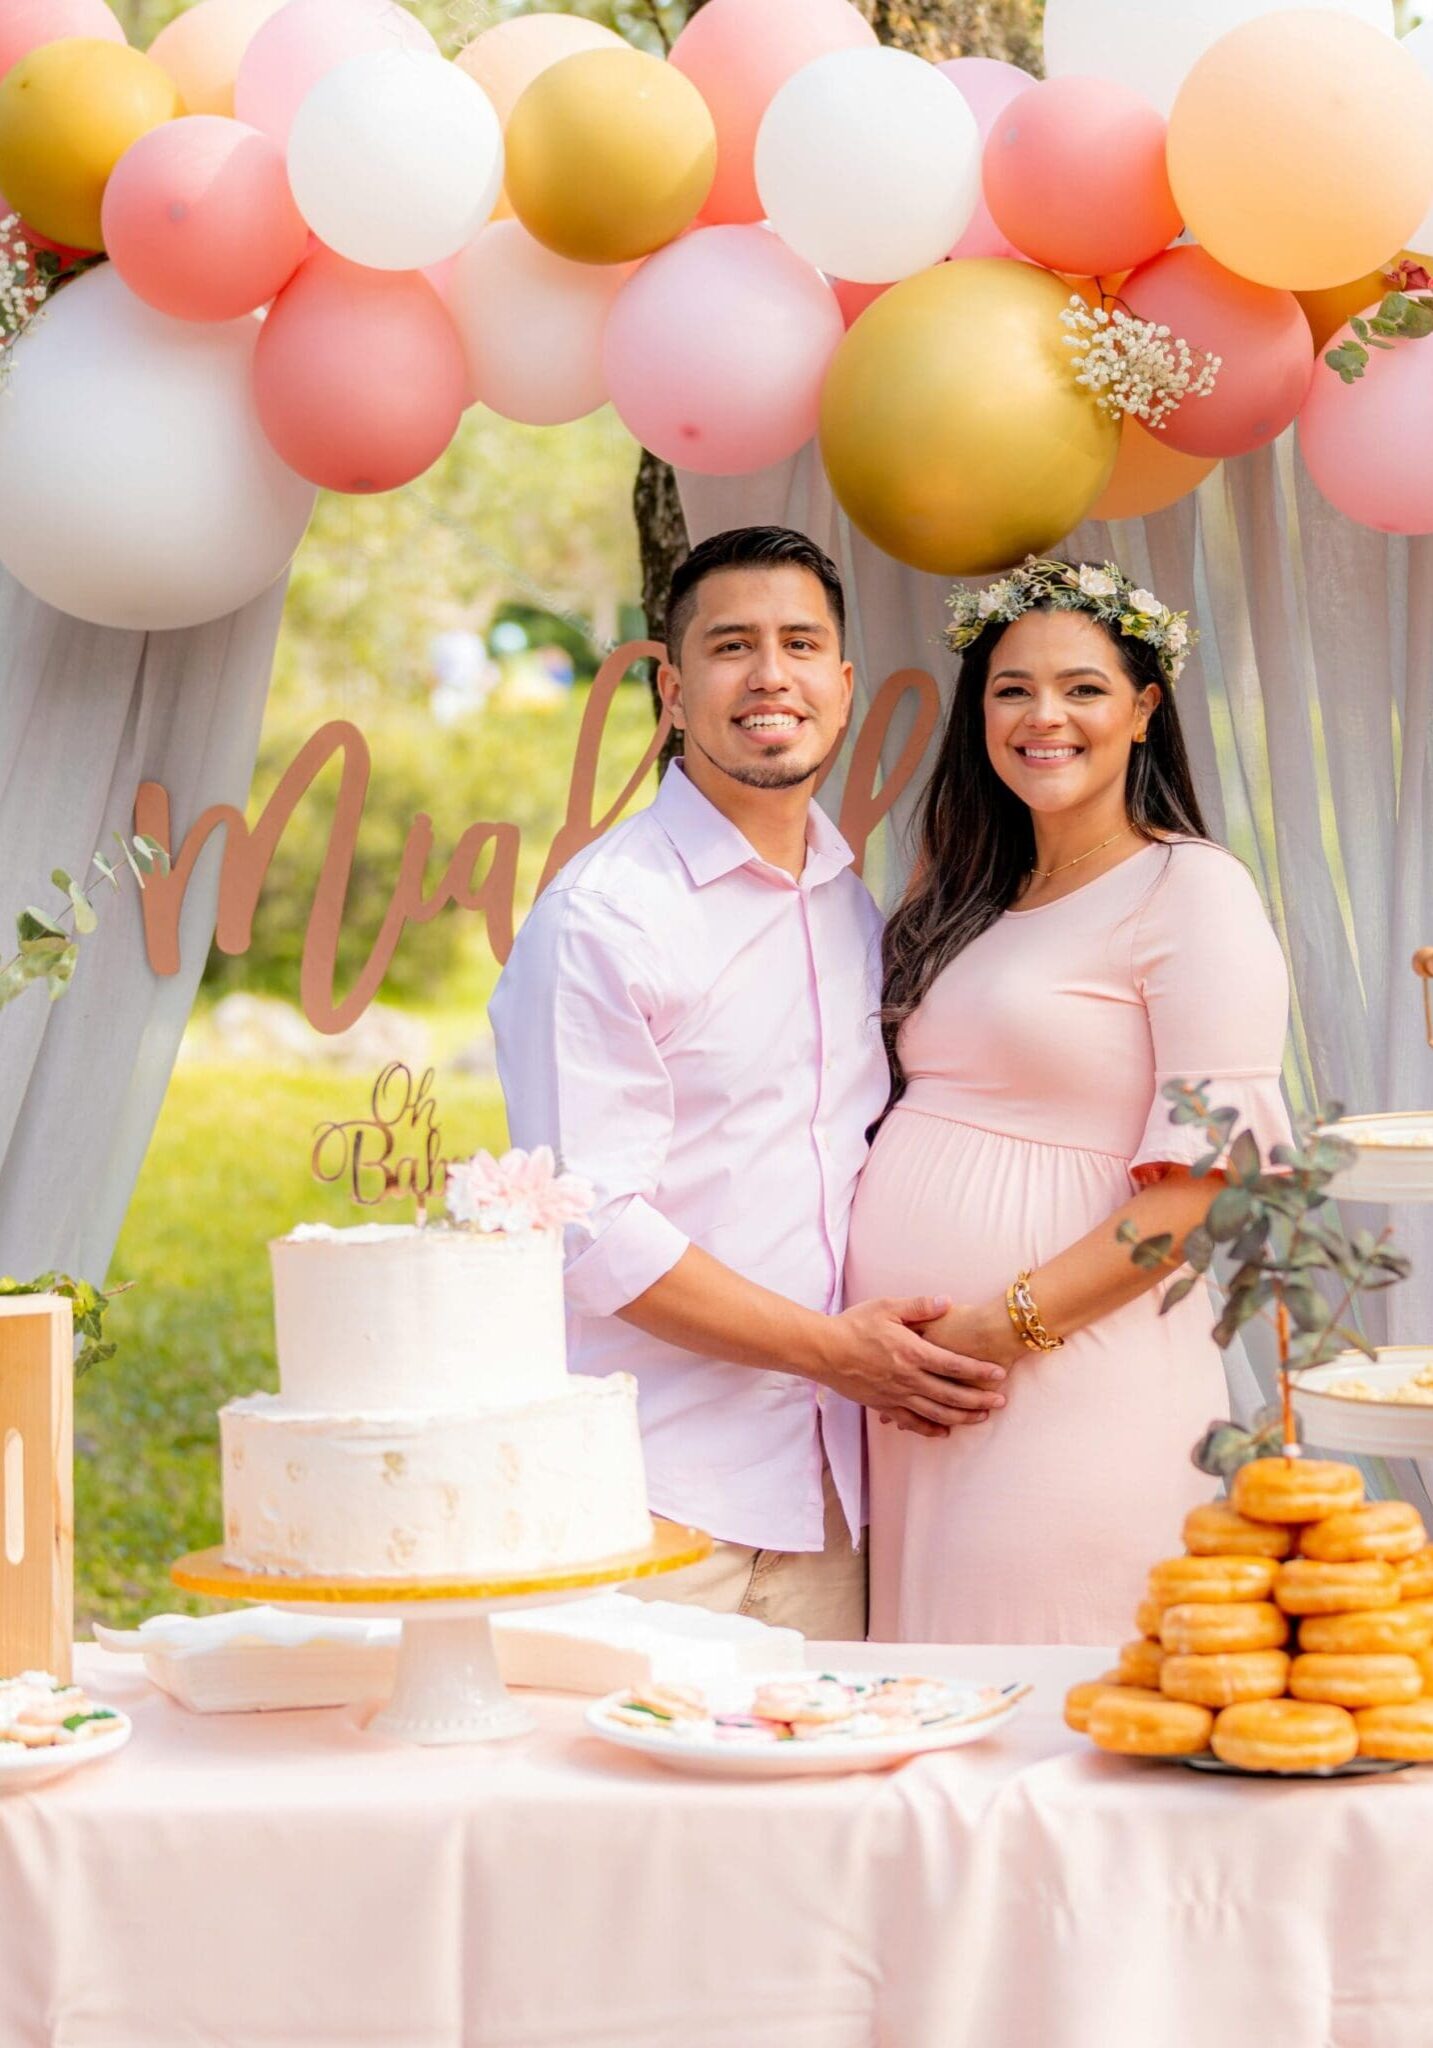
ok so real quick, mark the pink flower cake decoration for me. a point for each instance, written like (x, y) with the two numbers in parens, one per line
(520, 1191)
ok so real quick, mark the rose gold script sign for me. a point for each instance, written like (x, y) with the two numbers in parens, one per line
(867, 798)
(363, 1149)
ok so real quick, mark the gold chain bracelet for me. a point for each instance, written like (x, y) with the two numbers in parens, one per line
(1020, 1304)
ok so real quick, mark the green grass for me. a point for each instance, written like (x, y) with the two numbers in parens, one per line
(227, 1169)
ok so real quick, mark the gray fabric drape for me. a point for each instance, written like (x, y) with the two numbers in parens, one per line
(87, 713)
(1307, 712)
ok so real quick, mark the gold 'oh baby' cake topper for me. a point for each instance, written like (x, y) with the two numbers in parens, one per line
(396, 1151)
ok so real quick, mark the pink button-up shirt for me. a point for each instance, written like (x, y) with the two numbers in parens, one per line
(697, 1034)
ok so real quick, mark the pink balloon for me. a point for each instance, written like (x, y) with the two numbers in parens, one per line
(1262, 335)
(716, 349)
(199, 221)
(1074, 175)
(1366, 444)
(987, 86)
(358, 375)
(738, 54)
(26, 24)
(296, 47)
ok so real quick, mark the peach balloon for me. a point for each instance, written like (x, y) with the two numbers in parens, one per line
(987, 86)
(1149, 475)
(68, 113)
(738, 54)
(715, 350)
(609, 156)
(358, 375)
(1262, 336)
(531, 325)
(504, 60)
(1074, 176)
(306, 40)
(202, 49)
(1301, 149)
(199, 221)
(1366, 444)
(26, 24)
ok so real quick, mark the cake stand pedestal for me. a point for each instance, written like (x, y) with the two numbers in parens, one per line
(448, 1688)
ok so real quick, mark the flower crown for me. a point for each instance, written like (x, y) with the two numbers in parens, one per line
(1106, 593)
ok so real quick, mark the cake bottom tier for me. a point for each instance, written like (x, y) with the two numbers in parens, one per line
(407, 1495)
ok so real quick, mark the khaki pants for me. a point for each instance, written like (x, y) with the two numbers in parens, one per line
(820, 1592)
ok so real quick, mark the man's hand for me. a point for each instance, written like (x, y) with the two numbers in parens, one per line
(878, 1355)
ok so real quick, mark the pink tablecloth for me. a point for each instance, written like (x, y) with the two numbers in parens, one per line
(288, 1881)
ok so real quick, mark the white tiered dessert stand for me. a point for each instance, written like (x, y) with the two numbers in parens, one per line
(448, 1687)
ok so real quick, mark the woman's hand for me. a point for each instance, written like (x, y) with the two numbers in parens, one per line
(979, 1337)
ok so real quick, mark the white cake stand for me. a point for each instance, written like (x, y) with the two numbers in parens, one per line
(448, 1687)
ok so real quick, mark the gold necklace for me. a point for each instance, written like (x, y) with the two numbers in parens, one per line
(1044, 874)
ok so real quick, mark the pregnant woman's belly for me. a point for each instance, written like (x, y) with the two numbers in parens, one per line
(1039, 1524)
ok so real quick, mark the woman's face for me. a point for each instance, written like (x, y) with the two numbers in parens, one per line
(1061, 714)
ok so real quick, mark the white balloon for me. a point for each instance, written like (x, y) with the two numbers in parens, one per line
(531, 325)
(396, 159)
(1153, 45)
(139, 489)
(868, 164)
(1420, 45)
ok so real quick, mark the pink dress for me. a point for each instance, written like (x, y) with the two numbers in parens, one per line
(1035, 1065)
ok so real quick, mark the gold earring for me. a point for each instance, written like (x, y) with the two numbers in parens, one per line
(1139, 739)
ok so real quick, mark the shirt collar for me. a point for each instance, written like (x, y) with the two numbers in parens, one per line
(710, 846)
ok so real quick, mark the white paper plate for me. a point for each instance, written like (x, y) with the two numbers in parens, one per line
(1377, 1429)
(21, 1770)
(695, 1747)
(1395, 1157)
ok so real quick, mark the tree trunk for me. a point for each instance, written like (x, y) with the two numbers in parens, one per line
(934, 29)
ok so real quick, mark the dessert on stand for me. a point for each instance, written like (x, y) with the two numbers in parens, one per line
(428, 1455)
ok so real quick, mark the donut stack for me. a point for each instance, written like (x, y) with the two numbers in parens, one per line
(1295, 1633)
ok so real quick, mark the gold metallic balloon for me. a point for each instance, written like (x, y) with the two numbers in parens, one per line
(610, 154)
(68, 112)
(952, 428)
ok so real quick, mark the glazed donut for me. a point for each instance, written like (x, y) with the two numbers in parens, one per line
(1384, 1528)
(1219, 1530)
(1200, 1628)
(1133, 1726)
(1383, 1631)
(1295, 1489)
(1284, 1735)
(1415, 1574)
(1222, 1579)
(1146, 1619)
(1307, 1586)
(1140, 1662)
(1424, 1660)
(1404, 1732)
(1222, 1681)
(1355, 1681)
(1080, 1698)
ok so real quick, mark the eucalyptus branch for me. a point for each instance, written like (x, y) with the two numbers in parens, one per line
(1405, 314)
(49, 946)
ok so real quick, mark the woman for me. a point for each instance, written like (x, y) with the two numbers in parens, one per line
(1071, 942)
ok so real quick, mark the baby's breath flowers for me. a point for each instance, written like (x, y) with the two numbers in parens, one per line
(1102, 590)
(24, 284)
(1133, 366)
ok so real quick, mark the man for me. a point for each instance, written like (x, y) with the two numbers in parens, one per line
(691, 1017)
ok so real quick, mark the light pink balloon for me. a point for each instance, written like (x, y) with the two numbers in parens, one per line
(358, 375)
(531, 324)
(1262, 335)
(738, 54)
(27, 24)
(304, 41)
(987, 86)
(1074, 175)
(1366, 444)
(199, 221)
(716, 349)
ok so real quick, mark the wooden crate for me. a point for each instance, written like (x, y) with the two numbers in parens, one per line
(37, 1586)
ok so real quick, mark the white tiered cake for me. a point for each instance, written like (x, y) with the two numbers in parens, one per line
(427, 1425)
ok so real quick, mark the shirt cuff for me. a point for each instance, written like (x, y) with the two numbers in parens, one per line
(628, 1256)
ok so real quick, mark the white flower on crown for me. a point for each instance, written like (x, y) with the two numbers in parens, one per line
(988, 603)
(1145, 601)
(519, 1192)
(1096, 582)
(1177, 636)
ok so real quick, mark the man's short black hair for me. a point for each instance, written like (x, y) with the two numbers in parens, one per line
(750, 547)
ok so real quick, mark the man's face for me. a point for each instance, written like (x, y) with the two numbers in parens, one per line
(758, 685)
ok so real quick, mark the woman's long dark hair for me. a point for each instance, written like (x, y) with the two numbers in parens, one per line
(976, 844)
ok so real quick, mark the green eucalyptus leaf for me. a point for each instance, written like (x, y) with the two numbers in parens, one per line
(1306, 1305)
(1228, 1213)
(61, 880)
(1153, 1252)
(1244, 1159)
(1199, 1248)
(85, 919)
(1177, 1290)
(36, 924)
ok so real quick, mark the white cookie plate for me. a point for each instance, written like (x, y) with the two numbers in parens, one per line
(21, 1770)
(975, 1711)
